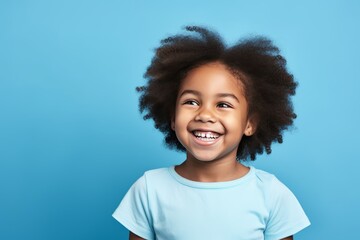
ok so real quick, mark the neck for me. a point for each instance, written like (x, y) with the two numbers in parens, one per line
(212, 171)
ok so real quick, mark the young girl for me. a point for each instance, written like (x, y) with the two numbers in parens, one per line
(221, 105)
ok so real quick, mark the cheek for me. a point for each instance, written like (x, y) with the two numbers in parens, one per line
(180, 123)
(182, 116)
(177, 122)
(234, 123)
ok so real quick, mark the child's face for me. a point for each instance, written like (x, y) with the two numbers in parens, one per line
(211, 114)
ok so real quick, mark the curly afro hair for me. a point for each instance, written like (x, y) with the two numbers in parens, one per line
(255, 61)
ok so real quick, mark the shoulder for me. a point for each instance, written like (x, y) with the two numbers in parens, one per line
(152, 177)
(154, 184)
(156, 175)
(143, 187)
(156, 172)
(286, 216)
(149, 176)
(272, 188)
(263, 176)
(265, 179)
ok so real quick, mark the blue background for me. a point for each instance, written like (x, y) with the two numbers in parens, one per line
(72, 140)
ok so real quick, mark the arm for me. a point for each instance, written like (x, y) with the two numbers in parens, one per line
(132, 236)
(288, 238)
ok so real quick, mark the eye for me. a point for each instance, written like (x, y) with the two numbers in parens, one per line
(224, 105)
(191, 102)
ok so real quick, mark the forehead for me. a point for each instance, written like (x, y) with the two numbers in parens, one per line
(212, 77)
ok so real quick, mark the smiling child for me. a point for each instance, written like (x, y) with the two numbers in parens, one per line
(221, 106)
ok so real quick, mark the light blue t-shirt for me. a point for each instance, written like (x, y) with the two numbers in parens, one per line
(163, 205)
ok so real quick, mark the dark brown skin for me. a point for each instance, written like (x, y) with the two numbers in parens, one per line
(255, 62)
(132, 236)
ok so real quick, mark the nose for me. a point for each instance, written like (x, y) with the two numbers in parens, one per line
(205, 115)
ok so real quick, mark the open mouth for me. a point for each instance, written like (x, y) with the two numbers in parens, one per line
(206, 136)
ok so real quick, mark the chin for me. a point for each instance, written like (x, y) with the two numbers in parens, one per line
(204, 157)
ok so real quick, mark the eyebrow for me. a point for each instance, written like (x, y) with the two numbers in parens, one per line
(221, 95)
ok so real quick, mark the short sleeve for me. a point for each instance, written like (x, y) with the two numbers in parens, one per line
(286, 214)
(133, 211)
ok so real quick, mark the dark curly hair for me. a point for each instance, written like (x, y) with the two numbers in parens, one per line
(256, 61)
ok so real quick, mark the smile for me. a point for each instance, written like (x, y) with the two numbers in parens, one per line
(206, 136)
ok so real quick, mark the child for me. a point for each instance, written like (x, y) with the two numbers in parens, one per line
(221, 105)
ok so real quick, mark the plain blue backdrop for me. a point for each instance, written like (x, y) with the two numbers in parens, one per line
(72, 140)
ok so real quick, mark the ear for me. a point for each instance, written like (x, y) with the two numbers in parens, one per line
(251, 126)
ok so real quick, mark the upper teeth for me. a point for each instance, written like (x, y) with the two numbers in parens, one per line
(206, 134)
